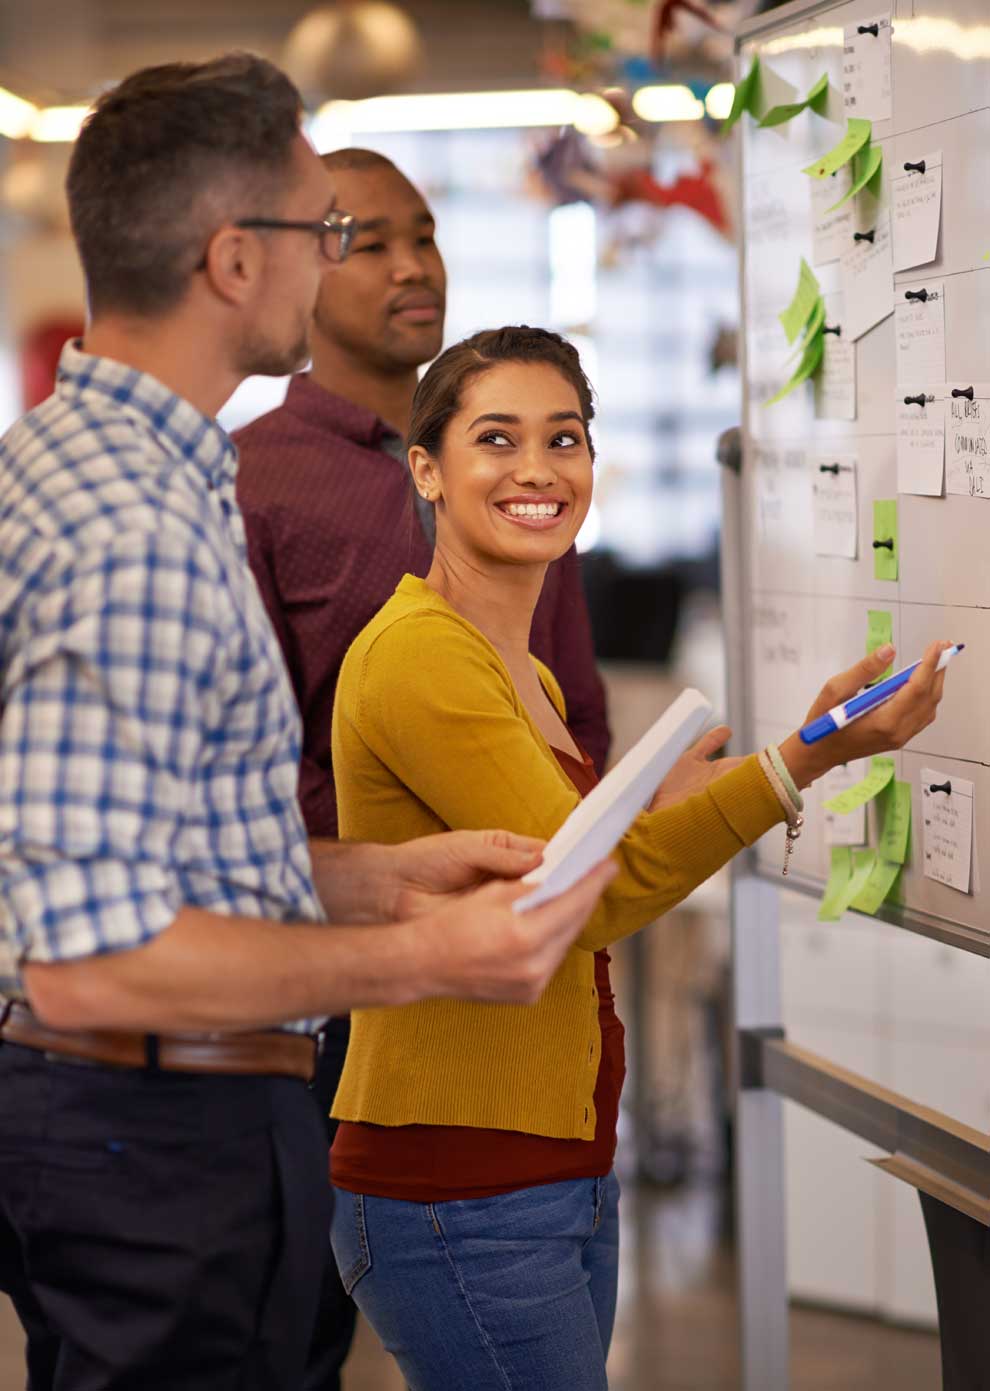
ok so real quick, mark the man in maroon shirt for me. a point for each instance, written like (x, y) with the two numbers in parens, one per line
(332, 522)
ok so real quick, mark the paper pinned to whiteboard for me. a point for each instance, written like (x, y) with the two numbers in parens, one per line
(866, 80)
(598, 823)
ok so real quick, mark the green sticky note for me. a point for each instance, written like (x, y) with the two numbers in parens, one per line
(810, 362)
(879, 629)
(857, 134)
(803, 301)
(864, 863)
(866, 167)
(745, 97)
(816, 99)
(885, 539)
(878, 885)
(880, 774)
(816, 322)
(840, 872)
(894, 806)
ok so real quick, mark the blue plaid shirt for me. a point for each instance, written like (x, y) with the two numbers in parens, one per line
(149, 738)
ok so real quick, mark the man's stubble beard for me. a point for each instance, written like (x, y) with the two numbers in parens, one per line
(259, 357)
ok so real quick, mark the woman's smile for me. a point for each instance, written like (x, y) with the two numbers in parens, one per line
(539, 512)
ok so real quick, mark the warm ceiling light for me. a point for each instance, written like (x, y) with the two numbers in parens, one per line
(667, 103)
(594, 115)
(16, 115)
(555, 106)
(718, 100)
(58, 123)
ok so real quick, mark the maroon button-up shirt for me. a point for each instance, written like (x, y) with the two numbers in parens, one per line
(331, 529)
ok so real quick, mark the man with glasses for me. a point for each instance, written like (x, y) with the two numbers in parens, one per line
(166, 958)
(332, 526)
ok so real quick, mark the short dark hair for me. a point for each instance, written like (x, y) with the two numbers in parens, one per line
(164, 159)
(353, 157)
(438, 395)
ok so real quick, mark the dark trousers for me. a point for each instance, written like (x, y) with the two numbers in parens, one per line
(160, 1230)
(960, 1248)
(336, 1313)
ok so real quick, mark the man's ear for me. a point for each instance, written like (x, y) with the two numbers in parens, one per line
(425, 474)
(233, 263)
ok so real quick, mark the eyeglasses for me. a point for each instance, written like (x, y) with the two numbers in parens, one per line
(336, 231)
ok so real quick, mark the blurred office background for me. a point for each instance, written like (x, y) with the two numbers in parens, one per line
(596, 199)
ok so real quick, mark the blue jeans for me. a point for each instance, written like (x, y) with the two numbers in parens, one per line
(513, 1293)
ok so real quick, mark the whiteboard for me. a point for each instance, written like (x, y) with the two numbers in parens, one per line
(801, 616)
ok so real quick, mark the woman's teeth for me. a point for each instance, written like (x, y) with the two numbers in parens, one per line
(532, 509)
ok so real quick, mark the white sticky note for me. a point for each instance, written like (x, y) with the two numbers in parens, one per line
(831, 232)
(835, 380)
(947, 829)
(851, 829)
(833, 490)
(866, 84)
(967, 461)
(866, 271)
(919, 332)
(920, 414)
(916, 200)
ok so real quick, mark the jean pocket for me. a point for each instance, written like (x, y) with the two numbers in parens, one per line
(349, 1238)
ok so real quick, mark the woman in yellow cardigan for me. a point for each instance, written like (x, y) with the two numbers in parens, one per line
(476, 1211)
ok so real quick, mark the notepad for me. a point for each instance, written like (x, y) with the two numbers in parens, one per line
(599, 822)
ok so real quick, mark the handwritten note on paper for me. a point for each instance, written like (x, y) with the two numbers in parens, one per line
(916, 196)
(833, 488)
(851, 828)
(967, 460)
(920, 413)
(831, 216)
(947, 833)
(919, 332)
(835, 384)
(866, 85)
(867, 274)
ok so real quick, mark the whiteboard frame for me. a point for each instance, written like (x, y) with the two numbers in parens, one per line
(764, 1071)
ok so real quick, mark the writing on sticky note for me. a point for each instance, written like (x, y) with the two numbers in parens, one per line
(879, 629)
(885, 539)
(864, 863)
(879, 882)
(745, 97)
(803, 302)
(947, 830)
(880, 774)
(894, 810)
(866, 171)
(816, 99)
(857, 134)
(835, 896)
(848, 829)
(967, 440)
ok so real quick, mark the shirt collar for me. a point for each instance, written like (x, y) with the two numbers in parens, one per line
(317, 406)
(175, 422)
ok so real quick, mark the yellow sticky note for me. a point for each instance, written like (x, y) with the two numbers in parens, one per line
(835, 895)
(885, 539)
(879, 629)
(857, 133)
(803, 302)
(745, 97)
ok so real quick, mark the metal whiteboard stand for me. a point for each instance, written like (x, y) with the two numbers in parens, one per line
(761, 1269)
(930, 1150)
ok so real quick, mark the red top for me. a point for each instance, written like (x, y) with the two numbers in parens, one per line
(439, 1163)
(331, 529)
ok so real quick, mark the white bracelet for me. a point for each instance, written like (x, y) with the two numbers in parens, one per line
(792, 810)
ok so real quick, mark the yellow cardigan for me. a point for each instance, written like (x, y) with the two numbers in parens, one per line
(429, 734)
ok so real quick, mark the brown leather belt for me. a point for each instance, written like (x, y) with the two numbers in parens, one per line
(263, 1054)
